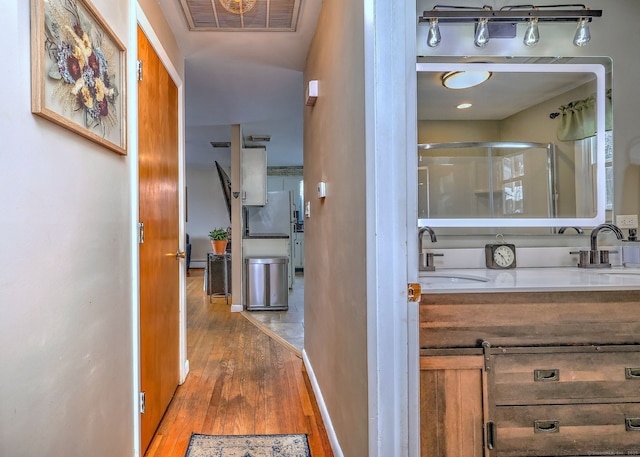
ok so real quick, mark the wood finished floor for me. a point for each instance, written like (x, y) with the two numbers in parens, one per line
(242, 382)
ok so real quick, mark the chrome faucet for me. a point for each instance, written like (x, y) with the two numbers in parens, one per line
(594, 234)
(426, 258)
(595, 258)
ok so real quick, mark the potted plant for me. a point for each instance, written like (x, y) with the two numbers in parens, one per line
(219, 237)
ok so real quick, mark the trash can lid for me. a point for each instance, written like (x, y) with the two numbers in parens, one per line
(266, 260)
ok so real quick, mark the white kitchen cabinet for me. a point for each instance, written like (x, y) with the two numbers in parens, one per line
(254, 176)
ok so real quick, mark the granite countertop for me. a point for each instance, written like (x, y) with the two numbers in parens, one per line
(552, 279)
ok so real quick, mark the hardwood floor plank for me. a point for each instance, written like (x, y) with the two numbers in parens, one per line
(242, 381)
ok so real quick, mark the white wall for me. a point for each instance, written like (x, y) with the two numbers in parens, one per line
(206, 209)
(65, 294)
(68, 292)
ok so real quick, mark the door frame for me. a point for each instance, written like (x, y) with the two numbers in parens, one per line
(392, 260)
(139, 19)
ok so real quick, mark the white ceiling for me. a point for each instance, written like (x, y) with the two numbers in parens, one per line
(250, 78)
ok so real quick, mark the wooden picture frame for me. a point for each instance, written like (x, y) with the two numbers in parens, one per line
(78, 77)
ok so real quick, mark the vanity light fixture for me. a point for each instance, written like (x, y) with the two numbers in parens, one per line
(464, 79)
(583, 35)
(481, 37)
(490, 23)
(433, 35)
(532, 34)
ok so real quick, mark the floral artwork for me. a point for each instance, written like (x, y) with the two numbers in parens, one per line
(79, 77)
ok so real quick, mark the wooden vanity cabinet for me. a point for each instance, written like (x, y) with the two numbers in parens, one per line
(451, 405)
(559, 374)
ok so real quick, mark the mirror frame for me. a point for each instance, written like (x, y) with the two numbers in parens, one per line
(599, 71)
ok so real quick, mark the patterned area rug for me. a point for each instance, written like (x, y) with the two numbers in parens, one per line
(248, 446)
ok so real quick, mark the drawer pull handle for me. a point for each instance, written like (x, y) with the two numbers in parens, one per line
(632, 373)
(547, 375)
(546, 426)
(632, 424)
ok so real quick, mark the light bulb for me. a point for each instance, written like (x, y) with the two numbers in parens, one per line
(482, 33)
(583, 35)
(532, 34)
(433, 37)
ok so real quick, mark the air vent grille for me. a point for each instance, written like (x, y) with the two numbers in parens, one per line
(266, 15)
(259, 138)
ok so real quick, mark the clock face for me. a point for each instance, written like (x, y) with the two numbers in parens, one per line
(503, 256)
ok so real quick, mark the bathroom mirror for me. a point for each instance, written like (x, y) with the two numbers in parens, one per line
(530, 151)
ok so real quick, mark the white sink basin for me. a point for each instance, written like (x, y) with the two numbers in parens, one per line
(450, 278)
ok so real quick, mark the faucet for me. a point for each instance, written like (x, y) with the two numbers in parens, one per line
(594, 234)
(595, 258)
(577, 229)
(426, 258)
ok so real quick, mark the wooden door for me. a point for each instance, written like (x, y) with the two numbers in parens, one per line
(159, 267)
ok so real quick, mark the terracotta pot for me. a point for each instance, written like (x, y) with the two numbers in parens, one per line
(219, 246)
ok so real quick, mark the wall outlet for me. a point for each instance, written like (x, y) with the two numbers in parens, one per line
(627, 221)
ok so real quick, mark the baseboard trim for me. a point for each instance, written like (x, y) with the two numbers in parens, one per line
(236, 308)
(328, 425)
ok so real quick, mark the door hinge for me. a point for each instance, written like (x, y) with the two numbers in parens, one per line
(140, 232)
(486, 353)
(139, 70)
(414, 291)
(143, 402)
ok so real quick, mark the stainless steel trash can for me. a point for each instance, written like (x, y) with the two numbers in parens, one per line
(266, 283)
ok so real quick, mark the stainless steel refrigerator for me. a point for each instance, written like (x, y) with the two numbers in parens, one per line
(274, 218)
(274, 223)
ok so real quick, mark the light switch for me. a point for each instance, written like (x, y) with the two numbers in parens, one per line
(322, 189)
(307, 210)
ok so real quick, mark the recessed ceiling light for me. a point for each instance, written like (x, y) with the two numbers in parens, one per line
(464, 105)
(464, 79)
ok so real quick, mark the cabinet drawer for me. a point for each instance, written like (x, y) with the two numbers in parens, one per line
(595, 429)
(565, 378)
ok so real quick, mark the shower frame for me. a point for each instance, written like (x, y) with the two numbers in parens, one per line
(552, 192)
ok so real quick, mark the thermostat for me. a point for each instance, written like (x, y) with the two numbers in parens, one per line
(322, 189)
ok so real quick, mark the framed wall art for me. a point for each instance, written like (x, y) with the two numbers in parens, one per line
(78, 71)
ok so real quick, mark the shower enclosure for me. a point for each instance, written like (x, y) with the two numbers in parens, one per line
(485, 180)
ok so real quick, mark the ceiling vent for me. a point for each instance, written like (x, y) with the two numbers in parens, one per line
(242, 15)
(221, 144)
(260, 138)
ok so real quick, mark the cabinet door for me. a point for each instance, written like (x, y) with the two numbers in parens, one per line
(254, 176)
(451, 406)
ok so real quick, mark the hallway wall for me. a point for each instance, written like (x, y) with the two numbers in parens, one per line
(67, 281)
(335, 243)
